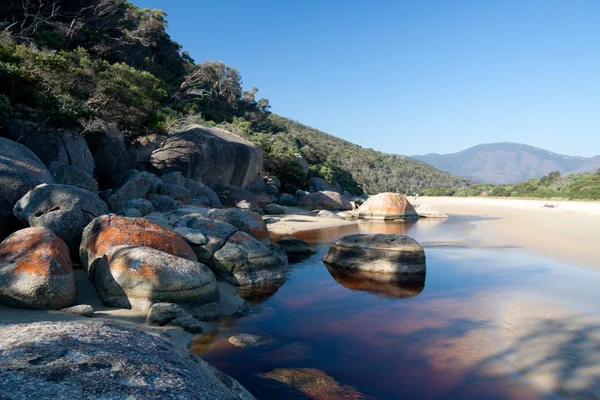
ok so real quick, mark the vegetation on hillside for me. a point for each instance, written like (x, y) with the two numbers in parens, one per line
(584, 186)
(69, 63)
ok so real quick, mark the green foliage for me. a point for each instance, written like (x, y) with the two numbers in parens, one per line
(6, 109)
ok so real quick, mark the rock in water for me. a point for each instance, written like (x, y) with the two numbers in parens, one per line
(109, 231)
(296, 249)
(138, 277)
(20, 171)
(246, 262)
(36, 271)
(385, 254)
(209, 155)
(327, 200)
(387, 206)
(63, 209)
(429, 211)
(96, 360)
(246, 340)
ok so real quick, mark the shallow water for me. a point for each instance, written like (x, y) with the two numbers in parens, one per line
(394, 340)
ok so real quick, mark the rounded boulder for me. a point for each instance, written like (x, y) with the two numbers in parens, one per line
(387, 206)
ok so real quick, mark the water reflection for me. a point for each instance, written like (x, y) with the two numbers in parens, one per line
(400, 286)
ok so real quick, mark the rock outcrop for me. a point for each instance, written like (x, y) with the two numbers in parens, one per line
(36, 271)
(20, 171)
(295, 248)
(209, 155)
(244, 261)
(110, 155)
(380, 253)
(137, 277)
(109, 231)
(63, 209)
(332, 201)
(96, 360)
(387, 206)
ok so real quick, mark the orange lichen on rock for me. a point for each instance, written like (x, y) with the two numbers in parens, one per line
(387, 206)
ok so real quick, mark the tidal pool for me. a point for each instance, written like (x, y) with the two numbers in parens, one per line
(347, 337)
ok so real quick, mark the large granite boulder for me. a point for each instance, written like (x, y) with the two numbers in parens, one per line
(327, 200)
(257, 185)
(429, 211)
(98, 360)
(204, 235)
(132, 185)
(387, 206)
(137, 277)
(109, 231)
(232, 195)
(141, 148)
(209, 155)
(244, 220)
(203, 194)
(20, 171)
(385, 254)
(36, 271)
(296, 249)
(111, 157)
(320, 185)
(66, 174)
(65, 210)
(246, 262)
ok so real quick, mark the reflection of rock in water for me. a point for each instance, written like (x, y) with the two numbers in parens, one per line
(389, 285)
(314, 383)
(258, 294)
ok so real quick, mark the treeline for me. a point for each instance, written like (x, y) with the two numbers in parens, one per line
(70, 63)
(584, 186)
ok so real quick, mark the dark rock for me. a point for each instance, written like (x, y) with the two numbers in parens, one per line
(174, 178)
(178, 193)
(130, 212)
(163, 203)
(302, 164)
(66, 174)
(204, 235)
(287, 199)
(273, 209)
(231, 195)
(36, 271)
(280, 252)
(300, 194)
(199, 190)
(20, 171)
(96, 360)
(143, 205)
(160, 314)
(257, 185)
(141, 148)
(320, 185)
(65, 210)
(264, 199)
(209, 155)
(85, 310)
(295, 248)
(244, 220)
(188, 324)
(110, 155)
(271, 190)
(133, 185)
(273, 180)
(327, 200)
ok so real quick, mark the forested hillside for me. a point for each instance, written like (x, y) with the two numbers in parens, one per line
(74, 65)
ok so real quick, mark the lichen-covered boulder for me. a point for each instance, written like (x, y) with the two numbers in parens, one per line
(244, 220)
(109, 231)
(387, 206)
(209, 155)
(137, 277)
(63, 209)
(98, 360)
(328, 200)
(36, 271)
(295, 248)
(246, 262)
(204, 235)
(20, 171)
(381, 253)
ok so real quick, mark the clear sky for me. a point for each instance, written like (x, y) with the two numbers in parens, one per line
(412, 77)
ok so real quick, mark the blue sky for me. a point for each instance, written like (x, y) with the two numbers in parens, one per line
(412, 77)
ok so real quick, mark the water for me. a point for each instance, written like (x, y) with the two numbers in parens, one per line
(437, 339)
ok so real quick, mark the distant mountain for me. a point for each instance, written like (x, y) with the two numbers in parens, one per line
(502, 163)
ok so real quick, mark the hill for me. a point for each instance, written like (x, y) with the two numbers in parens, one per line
(503, 163)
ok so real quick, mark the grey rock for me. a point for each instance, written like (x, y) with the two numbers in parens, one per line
(231, 195)
(20, 171)
(287, 199)
(429, 211)
(273, 209)
(327, 200)
(246, 262)
(271, 189)
(302, 164)
(198, 189)
(85, 310)
(141, 148)
(110, 155)
(257, 185)
(216, 234)
(36, 271)
(174, 178)
(76, 360)
(105, 195)
(209, 155)
(161, 314)
(130, 212)
(300, 194)
(320, 185)
(134, 184)
(66, 174)
(245, 205)
(244, 220)
(295, 248)
(65, 210)
(138, 277)
(327, 214)
(380, 253)
(163, 203)
(281, 253)
(178, 193)
(243, 340)
(273, 180)
(188, 323)
(144, 206)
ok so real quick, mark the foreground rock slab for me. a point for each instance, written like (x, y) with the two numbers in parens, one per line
(387, 206)
(384, 254)
(36, 271)
(94, 360)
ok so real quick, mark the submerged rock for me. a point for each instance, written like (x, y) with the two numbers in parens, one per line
(387, 206)
(96, 360)
(380, 253)
(36, 271)
(246, 340)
